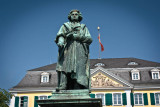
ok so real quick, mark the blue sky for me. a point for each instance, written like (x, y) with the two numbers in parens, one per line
(129, 28)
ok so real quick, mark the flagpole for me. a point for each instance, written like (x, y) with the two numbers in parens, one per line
(99, 44)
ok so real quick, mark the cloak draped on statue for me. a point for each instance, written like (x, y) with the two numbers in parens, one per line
(73, 57)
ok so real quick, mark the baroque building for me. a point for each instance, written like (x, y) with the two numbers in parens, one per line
(120, 82)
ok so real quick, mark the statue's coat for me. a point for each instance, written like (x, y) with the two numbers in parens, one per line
(74, 55)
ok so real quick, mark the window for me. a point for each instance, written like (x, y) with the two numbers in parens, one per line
(132, 63)
(135, 74)
(23, 101)
(45, 77)
(117, 99)
(157, 98)
(99, 64)
(102, 97)
(138, 99)
(155, 75)
(42, 97)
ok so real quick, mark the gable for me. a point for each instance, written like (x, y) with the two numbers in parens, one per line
(103, 78)
(100, 80)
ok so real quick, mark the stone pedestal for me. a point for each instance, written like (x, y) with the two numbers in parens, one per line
(71, 98)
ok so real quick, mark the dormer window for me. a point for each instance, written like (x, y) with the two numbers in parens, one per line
(135, 74)
(155, 73)
(132, 63)
(99, 64)
(45, 77)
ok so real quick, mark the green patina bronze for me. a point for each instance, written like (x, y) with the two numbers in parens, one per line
(73, 40)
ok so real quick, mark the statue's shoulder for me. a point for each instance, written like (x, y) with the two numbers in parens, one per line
(67, 24)
(83, 25)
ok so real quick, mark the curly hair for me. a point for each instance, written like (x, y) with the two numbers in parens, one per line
(79, 15)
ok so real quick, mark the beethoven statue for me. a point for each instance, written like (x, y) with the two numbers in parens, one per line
(73, 40)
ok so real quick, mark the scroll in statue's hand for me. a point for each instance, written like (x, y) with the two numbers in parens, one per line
(60, 44)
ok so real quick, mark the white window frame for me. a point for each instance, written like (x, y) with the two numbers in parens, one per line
(41, 96)
(138, 99)
(117, 100)
(43, 75)
(23, 99)
(135, 71)
(155, 98)
(155, 72)
(99, 64)
(103, 103)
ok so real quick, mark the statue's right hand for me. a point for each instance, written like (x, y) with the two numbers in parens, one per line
(69, 34)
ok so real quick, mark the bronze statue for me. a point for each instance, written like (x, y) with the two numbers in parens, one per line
(73, 40)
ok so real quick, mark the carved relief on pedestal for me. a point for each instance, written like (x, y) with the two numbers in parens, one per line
(101, 81)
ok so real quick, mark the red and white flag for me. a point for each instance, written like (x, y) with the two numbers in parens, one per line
(102, 48)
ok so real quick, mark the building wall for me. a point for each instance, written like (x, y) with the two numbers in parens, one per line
(32, 95)
(109, 91)
(148, 94)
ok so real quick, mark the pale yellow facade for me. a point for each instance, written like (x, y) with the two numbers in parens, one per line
(149, 98)
(32, 95)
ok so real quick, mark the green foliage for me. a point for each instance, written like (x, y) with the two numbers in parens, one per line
(4, 97)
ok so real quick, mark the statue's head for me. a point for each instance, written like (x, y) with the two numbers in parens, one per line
(75, 15)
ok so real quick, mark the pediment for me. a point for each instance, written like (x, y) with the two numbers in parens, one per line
(101, 78)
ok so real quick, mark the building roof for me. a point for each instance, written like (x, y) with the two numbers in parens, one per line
(109, 63)
(117, 66)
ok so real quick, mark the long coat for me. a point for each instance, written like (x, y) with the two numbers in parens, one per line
(73, 57)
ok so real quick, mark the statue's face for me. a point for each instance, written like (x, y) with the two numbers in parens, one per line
(74, 16)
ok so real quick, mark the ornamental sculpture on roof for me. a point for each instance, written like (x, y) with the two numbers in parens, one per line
(73, 40)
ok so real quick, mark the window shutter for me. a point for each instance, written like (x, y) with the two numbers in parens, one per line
(108, 99)
(124, 98)
(25, 102)
(145, 97)
(92, 95)
(16, 102)
(152, 99)
(35, 103)
(49, 97)
(132, 98)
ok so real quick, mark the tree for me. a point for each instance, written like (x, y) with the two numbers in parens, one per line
(4, 97)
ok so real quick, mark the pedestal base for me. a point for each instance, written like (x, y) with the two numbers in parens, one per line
(71, 98)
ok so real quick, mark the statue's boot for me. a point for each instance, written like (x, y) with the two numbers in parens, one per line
(62, 85)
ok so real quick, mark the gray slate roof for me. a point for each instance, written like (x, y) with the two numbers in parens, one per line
(33, 77)
(109, 63)
(33, 80)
